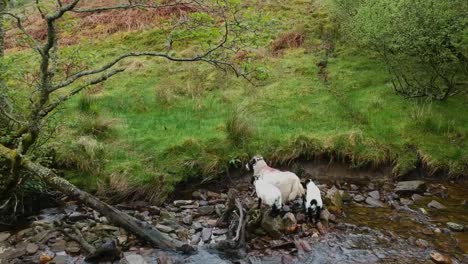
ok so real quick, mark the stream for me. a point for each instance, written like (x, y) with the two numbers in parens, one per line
(404, 230)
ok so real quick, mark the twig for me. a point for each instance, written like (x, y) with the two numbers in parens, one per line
(78, 237)
(241, 220)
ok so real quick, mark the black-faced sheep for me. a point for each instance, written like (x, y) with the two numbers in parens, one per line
(268, 194)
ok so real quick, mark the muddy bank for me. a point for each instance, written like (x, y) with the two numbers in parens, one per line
(369, 222)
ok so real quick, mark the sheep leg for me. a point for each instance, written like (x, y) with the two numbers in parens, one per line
(259, 203)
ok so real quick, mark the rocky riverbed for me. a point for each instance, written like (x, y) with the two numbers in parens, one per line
(404, 222)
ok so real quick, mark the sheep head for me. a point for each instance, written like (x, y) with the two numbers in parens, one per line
(255, 162)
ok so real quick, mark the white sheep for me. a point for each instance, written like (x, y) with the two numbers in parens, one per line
(287, 182)
(268, 194)
(313, 201)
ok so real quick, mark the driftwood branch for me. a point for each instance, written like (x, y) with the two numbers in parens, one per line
(119, 218)
(78, 237)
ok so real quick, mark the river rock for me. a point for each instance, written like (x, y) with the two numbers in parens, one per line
(416, 197)
(135, 259)
(163, 258)
(374, 194)
(219, 232)
(122, 239)
(198, 195)
(182, 202)
(325, 215)
(73, 247)
(4, 236)
(335, 198)
(455, 227)
(406, 202)
(164, 228)
(58, 246)
(423, 211)
(373, 202)
(436, 205)
(206, 210)
(197, 226)
(32, 248)
(422, 243)
(195, 238)
(272, 225)
(219, 208)
(187, 219)
(60, 259)
(359, 198)
(410, 187)
(213, 195)
(440, 259)
(206, 234)
(354, 187)
(77, 216)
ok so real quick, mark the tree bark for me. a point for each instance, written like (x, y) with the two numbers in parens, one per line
(137, 227)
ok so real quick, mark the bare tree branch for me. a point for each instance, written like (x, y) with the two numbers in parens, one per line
(132, 6)
(33, 43)
(62, 99)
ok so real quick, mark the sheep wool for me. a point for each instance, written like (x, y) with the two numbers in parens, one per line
(268, 194)
(313, 201)
(287, 182)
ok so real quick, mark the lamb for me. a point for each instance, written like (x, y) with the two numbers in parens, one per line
(268, 194)
(313, 201)
(287, 182)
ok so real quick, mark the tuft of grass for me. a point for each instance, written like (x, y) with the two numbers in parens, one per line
(86, 154)
(239, 127)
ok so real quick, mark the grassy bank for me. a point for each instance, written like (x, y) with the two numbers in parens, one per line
(159, 123)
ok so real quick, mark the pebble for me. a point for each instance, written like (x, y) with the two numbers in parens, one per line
(60, 259)
(77, 216)
(73, 247)
(206, 234)
(163, 258)
(188, 219)
(206, 210)
(422, 243)
(58, 245)
(195, 238)
(135, 259)
(354, 187)
(410, 186)
(423, 211)
(374, 194)
(416, 197)
(32, 248)
(373, 202)
(182, 202)
(4, 236)
(197, 226)
(164, 228)
(405, 201)
(218, 232)
(439, 258)
(455, 227)
(220, 208)
(436, 205)
(359, 198)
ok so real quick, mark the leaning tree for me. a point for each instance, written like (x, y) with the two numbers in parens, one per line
(22, 126)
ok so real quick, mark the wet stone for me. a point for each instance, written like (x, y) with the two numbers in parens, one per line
(405, 201)
(354, 187)
(422, 243)
(187, 219)
(32, 248)
(59, 259)
(455, 227)
(373, 202)
(135, 259)
(218, 232)
(58, 245)
(416, 197)
(77, 216)
(220, 208)
(374, 194)
(182, 202)
(436, 205)
(410, 187)
(197, 226)
(206, 234)
(195, 238)
(359, 198)
(203, 203)
(4, 236)
(164, 228)
(73, 247)
(440, 259)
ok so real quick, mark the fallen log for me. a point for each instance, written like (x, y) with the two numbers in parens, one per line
(117, 217)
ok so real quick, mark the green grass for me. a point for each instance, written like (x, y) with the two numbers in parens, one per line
(161, 124)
